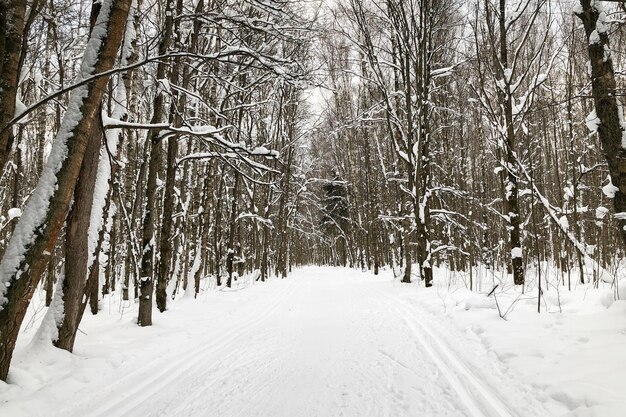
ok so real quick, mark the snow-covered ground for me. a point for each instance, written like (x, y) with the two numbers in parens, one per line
(333, 342)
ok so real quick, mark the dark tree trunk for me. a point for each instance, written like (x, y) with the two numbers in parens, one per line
(148, 238)
(511, 189)
(603, 87)
(12, 26)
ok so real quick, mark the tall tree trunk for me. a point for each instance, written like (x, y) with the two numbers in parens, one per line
(511, 188)
(607, 106)
(148, 238)
(230, 256)
(76, 246)
(36, 233)
(12, 25)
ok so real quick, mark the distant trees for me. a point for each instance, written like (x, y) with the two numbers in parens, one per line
(510, 58)
(401, 50)
(335, 221)
(513, 180)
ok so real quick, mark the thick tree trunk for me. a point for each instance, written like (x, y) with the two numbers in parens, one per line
(203, 225)
(76, 246)
(607, 107)
(230, 257)
(282, 227)
(36, 233)
(148, 236)
(422, 159)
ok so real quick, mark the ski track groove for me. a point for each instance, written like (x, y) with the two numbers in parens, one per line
(480, 399)
(150, 383)
(216, 374)
(330, 350)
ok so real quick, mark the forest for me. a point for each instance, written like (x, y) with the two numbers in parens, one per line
(158, 149)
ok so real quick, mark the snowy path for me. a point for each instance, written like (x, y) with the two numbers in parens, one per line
(325, 342)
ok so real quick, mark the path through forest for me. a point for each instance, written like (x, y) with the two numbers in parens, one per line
(324, 342)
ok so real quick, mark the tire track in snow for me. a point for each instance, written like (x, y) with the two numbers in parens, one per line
(149, 381)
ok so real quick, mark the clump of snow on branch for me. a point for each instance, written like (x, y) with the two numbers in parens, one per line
(14, 213)
(592, 121)
(609, 190)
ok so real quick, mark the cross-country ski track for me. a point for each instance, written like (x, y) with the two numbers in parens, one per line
(325, 342)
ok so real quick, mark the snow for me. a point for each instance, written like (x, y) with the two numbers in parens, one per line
(620, 215)
(516, 253)
(332, 341)
(20, 108)
(609, 190)
(262, 150)
(564, 222)
(592, 121)
(601, 212)
(14, 213)
(48, 330)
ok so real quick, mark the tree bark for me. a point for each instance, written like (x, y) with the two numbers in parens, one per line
(607, 107)
(148, 239)
(36, 233)
(12, 25)
(511, 188)
(76, 246)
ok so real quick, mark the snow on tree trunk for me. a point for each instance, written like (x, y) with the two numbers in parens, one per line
(85, 222)
(35, 235)
(608, 110)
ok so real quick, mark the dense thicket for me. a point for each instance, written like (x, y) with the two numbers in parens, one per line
(155, 148)
(508, 157)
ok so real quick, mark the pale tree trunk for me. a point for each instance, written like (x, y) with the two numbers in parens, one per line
(36, 233)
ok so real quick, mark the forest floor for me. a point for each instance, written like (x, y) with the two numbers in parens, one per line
(332, 342)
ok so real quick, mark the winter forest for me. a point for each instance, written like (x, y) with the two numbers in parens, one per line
(206, 206)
